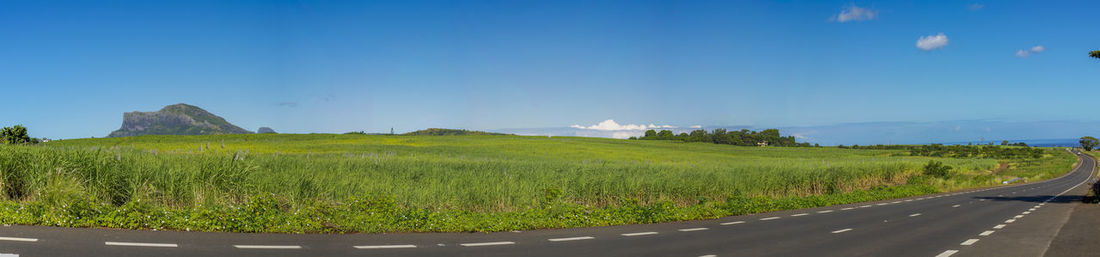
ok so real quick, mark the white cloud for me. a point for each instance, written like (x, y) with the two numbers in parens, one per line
(611, 125)
(697, 126)
(975, 6)
(929, 43)
(625, 134)
(854, 13)
(1034, 50)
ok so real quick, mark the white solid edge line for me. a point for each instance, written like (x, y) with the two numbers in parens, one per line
(691, 229)
(640, 234)
(268, 246)
(986, 233)
(20, 239)
(947, 253)
(570, 238)
(489, 243)
(139, 244)
(842, 230)
(383, 246)
(731, 223)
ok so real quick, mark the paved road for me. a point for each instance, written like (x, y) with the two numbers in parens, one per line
(1017, 220)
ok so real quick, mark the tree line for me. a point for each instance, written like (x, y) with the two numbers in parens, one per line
(958, 151)
(744, 137)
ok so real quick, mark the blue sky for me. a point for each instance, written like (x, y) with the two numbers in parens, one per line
(70, 69)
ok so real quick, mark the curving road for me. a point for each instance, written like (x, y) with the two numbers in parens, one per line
(1019, 220)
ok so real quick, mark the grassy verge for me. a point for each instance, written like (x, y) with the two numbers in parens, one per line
(363, 183)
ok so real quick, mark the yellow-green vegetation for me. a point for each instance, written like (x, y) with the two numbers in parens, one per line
(377, 183)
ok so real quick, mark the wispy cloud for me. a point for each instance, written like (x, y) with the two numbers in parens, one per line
(933, 42)
(696, 126)
(975, 6)
(287, 104)
(611, 125)
(1028, 52)
(854, 13)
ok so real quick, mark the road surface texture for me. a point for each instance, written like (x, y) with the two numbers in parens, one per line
(1017, 220)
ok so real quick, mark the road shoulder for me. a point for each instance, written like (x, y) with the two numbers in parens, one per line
(1078, 237)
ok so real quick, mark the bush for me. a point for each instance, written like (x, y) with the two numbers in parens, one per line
(937, 169)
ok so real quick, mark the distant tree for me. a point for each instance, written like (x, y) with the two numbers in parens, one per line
(650, 134)
(14, 135)
(664, 135)
(1088, 143)
(1095, 54)
(1004, 142)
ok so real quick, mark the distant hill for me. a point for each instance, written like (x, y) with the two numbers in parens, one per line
(176, 119)
(266, 130)
(448, 132)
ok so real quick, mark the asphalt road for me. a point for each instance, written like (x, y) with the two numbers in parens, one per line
(1018, 220)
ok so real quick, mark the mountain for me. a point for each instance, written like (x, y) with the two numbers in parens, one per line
(176, 119)
(266, 130)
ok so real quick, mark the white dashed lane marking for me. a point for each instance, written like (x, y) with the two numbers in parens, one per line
(842, 230)
(692, 229)
(731, 223)
(825, 211)
(986, 233)
(19, 239)
(268, 246)
(969, 242)
(947, 253)
(140, 244)
(770, 218)
(570, 239)
(955, 206)
(488, 243)
(999, 226)
(914, 214)
(800, 214)
(383, 246)
(640, 234)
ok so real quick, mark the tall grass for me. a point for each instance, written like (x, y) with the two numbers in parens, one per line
(336, 183)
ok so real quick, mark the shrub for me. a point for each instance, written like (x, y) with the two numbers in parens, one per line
(937, 169)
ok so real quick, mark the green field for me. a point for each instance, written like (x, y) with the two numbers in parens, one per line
(325, 183)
